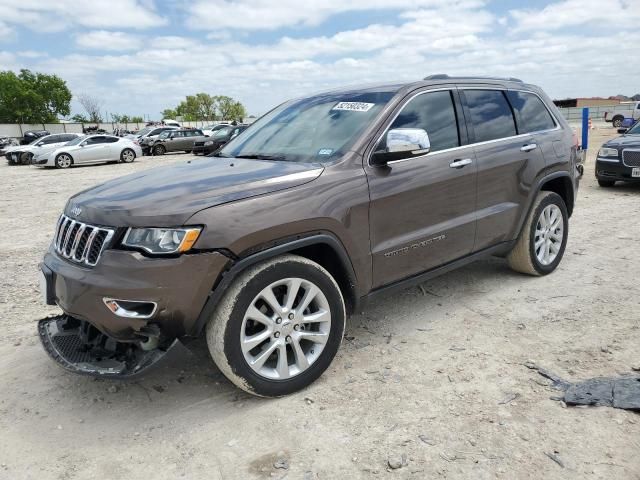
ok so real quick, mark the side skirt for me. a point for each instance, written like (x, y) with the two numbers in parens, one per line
(496, 250)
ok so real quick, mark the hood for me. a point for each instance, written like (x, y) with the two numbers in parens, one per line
(624, 141)
(47, 149)
(168, 196)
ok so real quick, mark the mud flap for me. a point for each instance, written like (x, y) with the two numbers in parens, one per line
(79, 347)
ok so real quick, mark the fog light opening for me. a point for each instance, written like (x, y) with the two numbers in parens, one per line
(131, 308)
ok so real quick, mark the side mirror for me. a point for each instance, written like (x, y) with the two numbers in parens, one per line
(83, 144)
(402, 143)
(622, 130)
(39, 144)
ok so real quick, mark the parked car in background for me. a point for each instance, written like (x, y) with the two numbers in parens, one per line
(30, 135)
(171, 123)
(92, 149)
(219, 139)
(6, 143)
(617, 117)
(23, 154)
(147, 135)
(176, 141)
(619, 158)
(209, 130)
(324, 203)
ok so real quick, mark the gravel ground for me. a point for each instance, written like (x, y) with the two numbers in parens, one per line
(430, 381)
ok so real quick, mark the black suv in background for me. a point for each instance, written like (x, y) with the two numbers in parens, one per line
(219, 138)
(619, 158)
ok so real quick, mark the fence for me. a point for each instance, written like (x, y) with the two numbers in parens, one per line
(574, 114)
(17, 130)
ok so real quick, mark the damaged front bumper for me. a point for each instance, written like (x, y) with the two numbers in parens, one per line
(79, 347)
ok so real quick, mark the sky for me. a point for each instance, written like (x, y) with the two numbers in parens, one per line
(142, 56)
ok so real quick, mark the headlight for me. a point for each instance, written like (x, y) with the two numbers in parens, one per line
(162, 240)
(608, 152)
(207, 143)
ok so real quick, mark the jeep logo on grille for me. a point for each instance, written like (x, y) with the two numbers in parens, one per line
(75, 211)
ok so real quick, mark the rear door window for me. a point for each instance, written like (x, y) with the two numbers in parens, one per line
(433, 112)
(491, 115)
(531, 113)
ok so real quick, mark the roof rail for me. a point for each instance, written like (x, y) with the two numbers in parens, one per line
(444, 76)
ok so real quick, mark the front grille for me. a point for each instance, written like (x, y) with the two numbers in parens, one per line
(631, 158)
(80, 242)
(198, 144)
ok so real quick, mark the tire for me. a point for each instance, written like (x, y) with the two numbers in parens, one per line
(187, 151)
(231, 322)
(10, 160)
(64, 160)
(606, 183)
(127, 156)
(617, 121)
(25, 158)
(524, 257)
(159, 150)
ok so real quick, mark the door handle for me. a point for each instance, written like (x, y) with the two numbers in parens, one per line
(461, 163)
(529, 147)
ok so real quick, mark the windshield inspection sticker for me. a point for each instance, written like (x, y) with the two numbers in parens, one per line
(354, 106)
(325, 151)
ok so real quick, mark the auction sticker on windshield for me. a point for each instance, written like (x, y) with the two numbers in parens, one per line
(354, 106)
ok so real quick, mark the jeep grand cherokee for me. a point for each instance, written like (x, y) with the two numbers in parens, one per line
(323, 203)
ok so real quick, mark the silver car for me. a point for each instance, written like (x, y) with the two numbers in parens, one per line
(24, 154)
(176, 141)
(93, 149)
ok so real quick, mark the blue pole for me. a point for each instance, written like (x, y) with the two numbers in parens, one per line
(585, 128)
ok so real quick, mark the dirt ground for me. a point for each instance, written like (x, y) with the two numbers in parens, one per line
(433, 375)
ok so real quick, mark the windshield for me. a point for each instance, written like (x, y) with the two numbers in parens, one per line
(635, 130)
(144, 131)
(75, 141)
(313, 129)
(221, 132)
(164, 134)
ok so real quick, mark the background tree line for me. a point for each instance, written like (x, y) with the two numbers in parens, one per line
(32, 97)
(203, 106)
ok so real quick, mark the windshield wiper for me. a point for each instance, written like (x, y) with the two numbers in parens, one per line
(259, 156)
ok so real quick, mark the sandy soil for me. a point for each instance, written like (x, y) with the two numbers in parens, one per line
(432, 375)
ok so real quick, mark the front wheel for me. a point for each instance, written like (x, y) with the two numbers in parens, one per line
(63, 160)
(25, 158)
(278, 326)
(127, 156)
(159, 150)
(543, 238)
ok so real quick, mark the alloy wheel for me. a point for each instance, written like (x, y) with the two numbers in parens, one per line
(64, 161)
(285, 328)
(128, 156)
(549, 234)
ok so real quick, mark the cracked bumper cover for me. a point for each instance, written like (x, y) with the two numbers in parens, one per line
(80, 348)
(179, 286)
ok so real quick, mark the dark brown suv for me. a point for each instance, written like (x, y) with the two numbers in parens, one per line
(321, 204)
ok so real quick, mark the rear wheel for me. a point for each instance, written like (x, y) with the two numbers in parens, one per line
(64, 160)
(127, 156)
(606, 183)
(159, 150)
(543, 239)
(617, 121)
(278, 326)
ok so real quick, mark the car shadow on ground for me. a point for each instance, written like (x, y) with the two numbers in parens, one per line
(192, 378)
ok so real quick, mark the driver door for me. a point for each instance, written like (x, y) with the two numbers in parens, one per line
(423, 208)
(91, 150)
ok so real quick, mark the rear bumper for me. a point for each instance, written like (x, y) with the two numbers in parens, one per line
(606, 170)
(179, 286)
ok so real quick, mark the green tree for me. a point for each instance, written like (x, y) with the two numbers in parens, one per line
(138, 119)
(169, 113)
(32, 97)
(230, 109)
(79, 118)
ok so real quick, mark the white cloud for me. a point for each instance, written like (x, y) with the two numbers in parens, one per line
(269, 14)
(615, 14)
(105, 40)
(57, 15)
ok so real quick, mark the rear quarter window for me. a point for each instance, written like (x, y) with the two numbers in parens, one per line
(491, 115)
(531, 113)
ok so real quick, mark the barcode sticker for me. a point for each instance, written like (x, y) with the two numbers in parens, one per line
(354, 106)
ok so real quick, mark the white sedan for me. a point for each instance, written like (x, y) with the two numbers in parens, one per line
(25, 154)
(92, 149)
